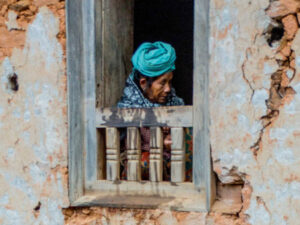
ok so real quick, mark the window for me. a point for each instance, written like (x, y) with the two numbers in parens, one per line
(99, 47)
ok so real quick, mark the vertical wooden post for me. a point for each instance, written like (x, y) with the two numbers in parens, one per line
(75, 98)
(101, 153)
(203, 177)
(112, 154)
(177, 155)
(114, 31)
(133, 154)
(156, 154)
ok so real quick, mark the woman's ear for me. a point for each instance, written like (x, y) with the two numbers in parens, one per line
(143, 83)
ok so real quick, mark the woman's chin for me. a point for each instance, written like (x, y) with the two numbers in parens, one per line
(162, 100)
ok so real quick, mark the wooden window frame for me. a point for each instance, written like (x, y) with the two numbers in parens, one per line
(81, 70)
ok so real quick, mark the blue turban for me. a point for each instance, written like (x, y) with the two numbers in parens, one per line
(154, 59)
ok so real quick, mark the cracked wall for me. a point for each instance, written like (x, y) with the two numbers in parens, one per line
(254, 89)
(254, 111)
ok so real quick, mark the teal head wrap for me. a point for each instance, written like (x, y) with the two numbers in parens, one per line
(154, 59)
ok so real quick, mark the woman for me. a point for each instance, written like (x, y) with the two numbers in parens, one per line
(149, 85)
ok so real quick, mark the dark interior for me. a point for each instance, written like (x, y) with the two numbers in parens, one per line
(171, 22)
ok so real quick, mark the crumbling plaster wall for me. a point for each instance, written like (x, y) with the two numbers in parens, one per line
(33, 112)
(254, 109)
(254, 104)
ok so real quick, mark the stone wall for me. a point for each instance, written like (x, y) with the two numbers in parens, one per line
(254, 108)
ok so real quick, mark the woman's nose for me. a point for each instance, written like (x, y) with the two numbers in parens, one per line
(167, 88)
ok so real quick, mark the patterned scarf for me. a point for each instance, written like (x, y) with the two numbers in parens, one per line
(134, 98)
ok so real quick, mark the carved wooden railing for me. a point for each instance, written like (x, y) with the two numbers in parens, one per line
(155, 118)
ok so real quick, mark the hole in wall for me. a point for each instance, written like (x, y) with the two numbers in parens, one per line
(274, 33)
(36, 210)
(13, 82)
(38, 206)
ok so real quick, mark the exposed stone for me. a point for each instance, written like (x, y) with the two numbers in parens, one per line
(293, 64)
(229, 199)
(285, 81)
(286, 51)
(11, 39)
(282, 8)
(40, 3)
(290, 24)
(223, 219)
(246, 196)
(68, 212)
(228, 175)
(12, 22)
(20, 5)
(86, 211)
(280, 56)
(134, 216)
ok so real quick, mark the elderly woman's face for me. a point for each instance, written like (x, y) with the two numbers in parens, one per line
(160, 88)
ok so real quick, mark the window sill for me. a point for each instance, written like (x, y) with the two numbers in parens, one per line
(92, 198)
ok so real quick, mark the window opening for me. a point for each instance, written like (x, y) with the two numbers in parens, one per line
(98, 65)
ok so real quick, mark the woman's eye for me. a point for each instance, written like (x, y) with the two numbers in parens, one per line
(163, 83)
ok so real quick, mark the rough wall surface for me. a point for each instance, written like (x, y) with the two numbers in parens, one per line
(33, 129)
(254, 105)
(254, 102)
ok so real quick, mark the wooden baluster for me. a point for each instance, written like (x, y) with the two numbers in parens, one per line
(177, 155)
(133, 154)
(112, 154)
(156, 154)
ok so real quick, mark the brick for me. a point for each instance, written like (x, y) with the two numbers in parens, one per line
(286, 50)
(11, 39)
(290, 25)
(20, 5)
(282, 8)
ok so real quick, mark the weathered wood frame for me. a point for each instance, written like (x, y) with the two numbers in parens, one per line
(82, 25)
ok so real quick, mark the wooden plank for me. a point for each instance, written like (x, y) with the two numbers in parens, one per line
(146, 188)
(133, 154)
(177, 155)
(117, 49)
(89, 98)
(101, 171)
(129, 194)
(98, 52)
(112, 154)
(156, 154)
(75, 114)
(172, 116)
(201, 155)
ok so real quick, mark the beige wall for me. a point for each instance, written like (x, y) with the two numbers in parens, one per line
(254, 144)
